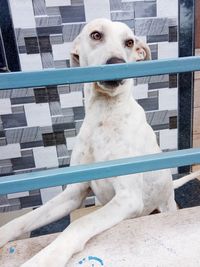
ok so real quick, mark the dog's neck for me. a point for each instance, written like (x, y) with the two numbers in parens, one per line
(92, 96)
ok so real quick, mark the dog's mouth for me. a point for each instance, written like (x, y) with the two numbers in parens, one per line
(111, 84)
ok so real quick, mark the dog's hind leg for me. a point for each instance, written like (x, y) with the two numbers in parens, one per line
(70, 199)
(74, 238)
(169, 205)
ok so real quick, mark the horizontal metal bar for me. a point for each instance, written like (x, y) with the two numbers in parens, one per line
(81, 173)
(98, 73)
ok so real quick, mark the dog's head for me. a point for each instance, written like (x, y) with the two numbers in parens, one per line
(105, 42)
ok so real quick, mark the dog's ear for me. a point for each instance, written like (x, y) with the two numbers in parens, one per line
(141, 50)
(74, 54)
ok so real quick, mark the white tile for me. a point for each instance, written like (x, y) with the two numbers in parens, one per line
(61, 51)
(45, 157)
(38, 114)
(70, 142)
(10, 151)
(17, 195)
(30, 62)
(96, 9)
(50, 3)
(74, 99)
(168, 99)
(49, 193)
(167, 50)
(167, 8)
(22, 13)
(5, 106)
(169, 139)
(140, 91)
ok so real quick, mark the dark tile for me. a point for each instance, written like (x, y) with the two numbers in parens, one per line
(22, 49)
(158, 85)
(72, 14)
(173, 34)
(3, 141)
(31, 45)
(30, 201)
(23, 163)
(44, 43)
(60, 138)
(22, 100)
(64, 162)
(63, 126)
(53, 94)
(79, 113)
(41, 95)
(188, 195)
(49, 139)
(8, 34)
(157, 38)
(173, 83)
(77, 2)
(45, 31)
(51, 228)
(14, 120)
(173, 122)
(2, 134)
(31, 144)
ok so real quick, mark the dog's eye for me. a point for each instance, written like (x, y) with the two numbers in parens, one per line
(96, 36)
(129, 43)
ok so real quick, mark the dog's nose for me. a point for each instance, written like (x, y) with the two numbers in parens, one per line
(115, 60)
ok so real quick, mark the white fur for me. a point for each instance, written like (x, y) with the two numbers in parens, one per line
(114, 127)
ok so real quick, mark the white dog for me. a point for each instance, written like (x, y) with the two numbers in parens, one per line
(114, 127)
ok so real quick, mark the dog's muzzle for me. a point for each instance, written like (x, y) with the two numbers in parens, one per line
(115, 83)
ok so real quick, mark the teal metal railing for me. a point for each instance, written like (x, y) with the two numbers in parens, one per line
(61, 176)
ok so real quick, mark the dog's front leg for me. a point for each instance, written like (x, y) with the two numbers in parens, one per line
(55, 209)
(74, 238)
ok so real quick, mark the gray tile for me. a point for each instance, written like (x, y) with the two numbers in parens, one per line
(121, 15)
(24, 92)
(14, 120)
(62, 150)
(78, 125)
(47, 60)
(60, 64)
(68, 111)
(158, 85)
(14, 136)
(3, 141)
(53, 11)
(151, 26)
(31, 134)
(115, 5)
(39, 7)
(62, 119)
(63, 89)
(172, 21)
(5, 93)
(13, 204)
(46, 129)
(31, 144)
(76, 87)
(72, 14)
(149, 103)
(77, 2)
(128, 6)
(64, 162)
(17, 109)
(70, 31)
(48, 21)
(70, 133)
(79, 113)
(3, 200)
(145, 9)
(55, 108)
(56, 39)
(22, 100)
(157, 38)
(30, 201)
(22, 33)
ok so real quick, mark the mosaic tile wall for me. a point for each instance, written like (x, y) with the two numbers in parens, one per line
(38, 126)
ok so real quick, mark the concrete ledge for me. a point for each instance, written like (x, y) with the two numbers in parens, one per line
(161, 240)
